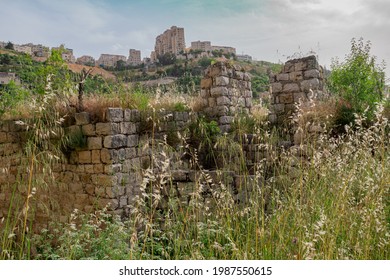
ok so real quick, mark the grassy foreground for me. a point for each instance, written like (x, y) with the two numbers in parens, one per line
(326, 199)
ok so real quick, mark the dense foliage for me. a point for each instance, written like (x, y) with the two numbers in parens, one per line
(358, 81)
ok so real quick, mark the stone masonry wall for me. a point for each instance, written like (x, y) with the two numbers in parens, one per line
(225, 91)
(299, 80)
(107, 170)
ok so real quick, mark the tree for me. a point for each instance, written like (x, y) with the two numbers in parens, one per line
(9, 46)
(167, 59)
(120, 65)
(358, 81)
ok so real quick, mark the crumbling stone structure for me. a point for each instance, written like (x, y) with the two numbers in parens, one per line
(225, 91)
(106, 169)
(299, 81)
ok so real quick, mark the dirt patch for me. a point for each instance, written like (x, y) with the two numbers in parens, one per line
(77, 68)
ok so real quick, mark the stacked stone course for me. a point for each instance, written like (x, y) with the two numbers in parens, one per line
(300, 80)
(107, 170)
(225, 91)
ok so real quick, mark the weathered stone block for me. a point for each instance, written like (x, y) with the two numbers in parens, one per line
(282, 77)
(248, 94)
(300, 66)
(94, 143)
(219, 91)
(82, 118)
(88, 130)
(307, 85)
(132, 140)
(238, 75)
(204, 93)
(103, 180)
(105, 156)
(130, 153)
(206, 83)
(98, 168)
(222, 110)
(107, 128)
(76, 188)
(278, 108)
(291, 87)
(95, 155)
(226, 120)
(218, 69)
(89, 189)
(247, 77)
(212, 102)
(126, 115)
(312, 73)
(3, 137)
(115, 141)
(114, 114)
(286, 98)
(248, 102)
(289, 67)
(114, 192)
(88, 168)
(296, 76)
(223, 100)
(241, 101)
(85, 157)
(221, 81)
(127, 128)
(100, 191)
(276, 87)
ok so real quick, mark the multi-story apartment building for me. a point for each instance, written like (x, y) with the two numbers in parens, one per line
(86, 60)
(171, 41)
(201, 45)
(110, 60)
(224, 49)
(134, 57)
(39, 50)
(23, 49)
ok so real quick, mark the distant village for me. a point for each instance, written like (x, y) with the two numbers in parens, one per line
(172, 41)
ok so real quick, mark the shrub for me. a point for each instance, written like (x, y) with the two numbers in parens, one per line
(358, 82)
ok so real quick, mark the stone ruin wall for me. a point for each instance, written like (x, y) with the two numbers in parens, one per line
(109, 169)
(225, 92)
(300, 80)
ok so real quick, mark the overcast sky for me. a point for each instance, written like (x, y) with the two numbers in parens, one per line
(270, 30)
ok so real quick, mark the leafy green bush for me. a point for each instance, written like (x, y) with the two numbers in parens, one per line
(359, 83)
(10, 96)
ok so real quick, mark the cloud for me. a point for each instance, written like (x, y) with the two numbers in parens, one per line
(266, 29)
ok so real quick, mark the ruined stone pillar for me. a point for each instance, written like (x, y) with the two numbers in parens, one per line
(300, 80)
(225, 92)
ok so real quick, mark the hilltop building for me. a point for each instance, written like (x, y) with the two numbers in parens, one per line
(171, 41)
(243, 57)
(201, 45)
(206, 47)
(224, 49)
(86, 60)
(110, 60)
(134, 57)
(6, 78)
(23, 49)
